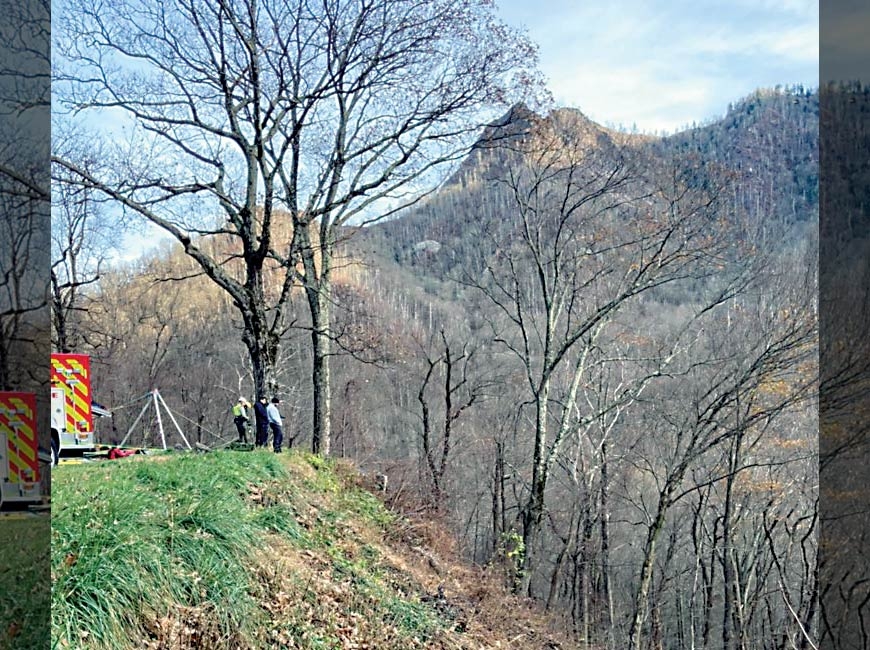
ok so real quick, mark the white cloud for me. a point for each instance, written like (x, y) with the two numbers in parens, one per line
(665, 65)
(135, 244)
(799, 44)
(633, 96)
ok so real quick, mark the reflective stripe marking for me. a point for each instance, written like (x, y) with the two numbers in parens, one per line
(18, 423)
(72, 375)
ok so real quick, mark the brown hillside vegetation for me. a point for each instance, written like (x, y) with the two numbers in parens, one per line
(329, 566)
(422, 562)
(226, 250)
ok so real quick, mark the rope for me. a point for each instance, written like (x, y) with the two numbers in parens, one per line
(123, 406)
(224, 441)
(212, 433)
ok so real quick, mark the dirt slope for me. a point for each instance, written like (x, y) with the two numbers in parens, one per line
(254, 550)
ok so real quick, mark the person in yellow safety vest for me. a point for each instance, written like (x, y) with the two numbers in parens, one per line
(240, 417)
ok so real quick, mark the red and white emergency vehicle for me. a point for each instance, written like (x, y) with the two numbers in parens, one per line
(72, 413)
(19, 450)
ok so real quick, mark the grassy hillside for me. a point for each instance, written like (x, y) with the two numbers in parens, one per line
(253, 550)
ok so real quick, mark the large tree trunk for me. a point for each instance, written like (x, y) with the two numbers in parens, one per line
(641, 597)
(606, 594)
(499, 523)
(262, 355)
(533, 513)
(319, 297)
(317, 263)
(732, 624)
(556, 575)
(261, 343)
(728, 574)
(321, 435)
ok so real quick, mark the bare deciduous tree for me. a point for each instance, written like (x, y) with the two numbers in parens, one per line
(458, 391)
(588, 235)
(82, 239)
(731, 390)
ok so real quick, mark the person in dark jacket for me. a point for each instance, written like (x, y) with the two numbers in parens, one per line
(262, 419)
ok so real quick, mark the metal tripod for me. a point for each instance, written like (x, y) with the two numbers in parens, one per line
(156, 400)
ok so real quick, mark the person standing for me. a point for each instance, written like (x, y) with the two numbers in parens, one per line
(262, 419)
(240, 417)
(275, 423)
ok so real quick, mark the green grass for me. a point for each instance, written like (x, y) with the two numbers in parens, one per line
(127, 538)
(24, 582)
(142, 547)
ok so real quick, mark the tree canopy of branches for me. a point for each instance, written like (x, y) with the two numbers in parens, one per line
(589, 235)
(245, 113)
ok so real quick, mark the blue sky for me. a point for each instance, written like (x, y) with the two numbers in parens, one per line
(662, 65)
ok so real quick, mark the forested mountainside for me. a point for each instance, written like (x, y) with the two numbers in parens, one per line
(770, 142)
(767, 146)
(591, 354)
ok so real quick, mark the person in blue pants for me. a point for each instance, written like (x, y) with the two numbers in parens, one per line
(275, 423)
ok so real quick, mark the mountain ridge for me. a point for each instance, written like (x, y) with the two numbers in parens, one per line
(766, 144)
